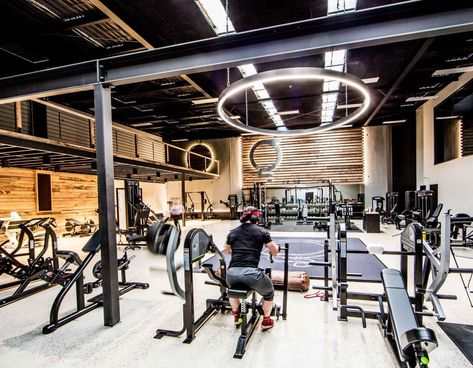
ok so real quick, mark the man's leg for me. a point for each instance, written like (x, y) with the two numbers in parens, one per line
(267, 307)
(235, 303)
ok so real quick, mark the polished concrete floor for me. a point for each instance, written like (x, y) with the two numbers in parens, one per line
(311, 336)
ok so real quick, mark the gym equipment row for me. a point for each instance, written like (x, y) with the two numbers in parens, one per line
(401, 322)
(196, 245)
(39, 263)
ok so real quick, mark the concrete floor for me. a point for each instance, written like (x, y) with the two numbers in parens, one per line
(311, 336)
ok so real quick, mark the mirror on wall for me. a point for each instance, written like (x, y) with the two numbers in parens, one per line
(453, 126)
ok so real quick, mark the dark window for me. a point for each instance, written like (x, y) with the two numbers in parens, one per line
(38, 120)
(43, 192)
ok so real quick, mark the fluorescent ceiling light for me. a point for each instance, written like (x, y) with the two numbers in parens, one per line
(394, 121)
(137, 125)
(347, 126)
(463, 69)
(215, 13)
(447, 117)
(205, 101)
(288, 112)
(348, 106)
(421, 98)
(370, 80)
(180, 140)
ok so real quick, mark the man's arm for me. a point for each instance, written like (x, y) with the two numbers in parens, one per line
(273, 248)
(228, 248)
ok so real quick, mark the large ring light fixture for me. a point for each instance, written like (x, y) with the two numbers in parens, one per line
(290, 74)
(266, 169)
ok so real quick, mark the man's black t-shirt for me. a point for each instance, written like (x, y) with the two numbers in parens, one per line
(247, 242)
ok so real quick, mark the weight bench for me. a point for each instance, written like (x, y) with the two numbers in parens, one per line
(412, 342)
(247, 325)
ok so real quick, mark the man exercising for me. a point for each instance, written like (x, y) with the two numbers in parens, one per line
(245, 244)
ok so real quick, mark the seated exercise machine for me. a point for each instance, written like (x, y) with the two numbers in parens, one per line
(76, 280)
(196, 245)
(232, 204)
(36, 264)
(79, 228)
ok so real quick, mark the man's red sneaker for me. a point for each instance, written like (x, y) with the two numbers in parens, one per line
(267, 323)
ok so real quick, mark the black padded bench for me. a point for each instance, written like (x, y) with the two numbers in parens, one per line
(413, 342)
(239, 293)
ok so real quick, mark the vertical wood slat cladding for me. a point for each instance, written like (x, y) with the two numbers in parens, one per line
(73, 195)
(336, 155)
(467, 138)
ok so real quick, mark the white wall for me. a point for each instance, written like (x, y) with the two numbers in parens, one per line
(453, 177)
(378, 167)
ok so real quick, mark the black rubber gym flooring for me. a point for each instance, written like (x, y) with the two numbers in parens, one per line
(291, 226)
(462, 337)
(305, 250)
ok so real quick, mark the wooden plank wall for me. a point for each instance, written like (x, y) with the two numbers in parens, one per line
(73, 195)
(311, 160)
(467, 138)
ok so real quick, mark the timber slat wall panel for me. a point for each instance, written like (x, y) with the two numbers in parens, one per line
(145, 148)
(73, 195)
(74, 130)
(7, 117)
(26, 117)
(467, 138)
(125, 143)
(311, 160)
(54, 128)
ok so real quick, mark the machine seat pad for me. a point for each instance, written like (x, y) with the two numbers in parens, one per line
(69, 256)
(93, 244)
(136, 238)
(400, 307)
(240, 293)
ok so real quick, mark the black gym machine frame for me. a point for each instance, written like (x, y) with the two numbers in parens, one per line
(76, 279)
(38, 267)
(401, 323)
(196, 246)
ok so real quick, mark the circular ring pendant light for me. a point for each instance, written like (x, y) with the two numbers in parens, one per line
(291, 74)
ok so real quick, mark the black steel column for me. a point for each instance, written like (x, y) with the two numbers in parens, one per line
(106, 199)
(183, 198)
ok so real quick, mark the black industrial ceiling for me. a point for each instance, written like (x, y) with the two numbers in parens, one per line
(47, 33)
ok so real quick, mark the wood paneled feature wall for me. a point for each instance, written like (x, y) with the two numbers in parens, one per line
(311, 160)
(73, 195)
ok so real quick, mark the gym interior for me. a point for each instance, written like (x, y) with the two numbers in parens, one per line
(133, 135)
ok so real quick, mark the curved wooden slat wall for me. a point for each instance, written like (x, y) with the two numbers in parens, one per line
(310, 160)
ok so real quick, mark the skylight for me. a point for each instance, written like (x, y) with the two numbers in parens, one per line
(215, 13)
(216, 16)
(340, 6)
(334, 60)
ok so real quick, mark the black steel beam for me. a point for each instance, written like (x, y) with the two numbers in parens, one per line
(106, 196)
(371, 27)
(401, 76)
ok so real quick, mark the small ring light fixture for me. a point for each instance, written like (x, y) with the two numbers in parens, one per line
(189, 152)
(291, 74)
